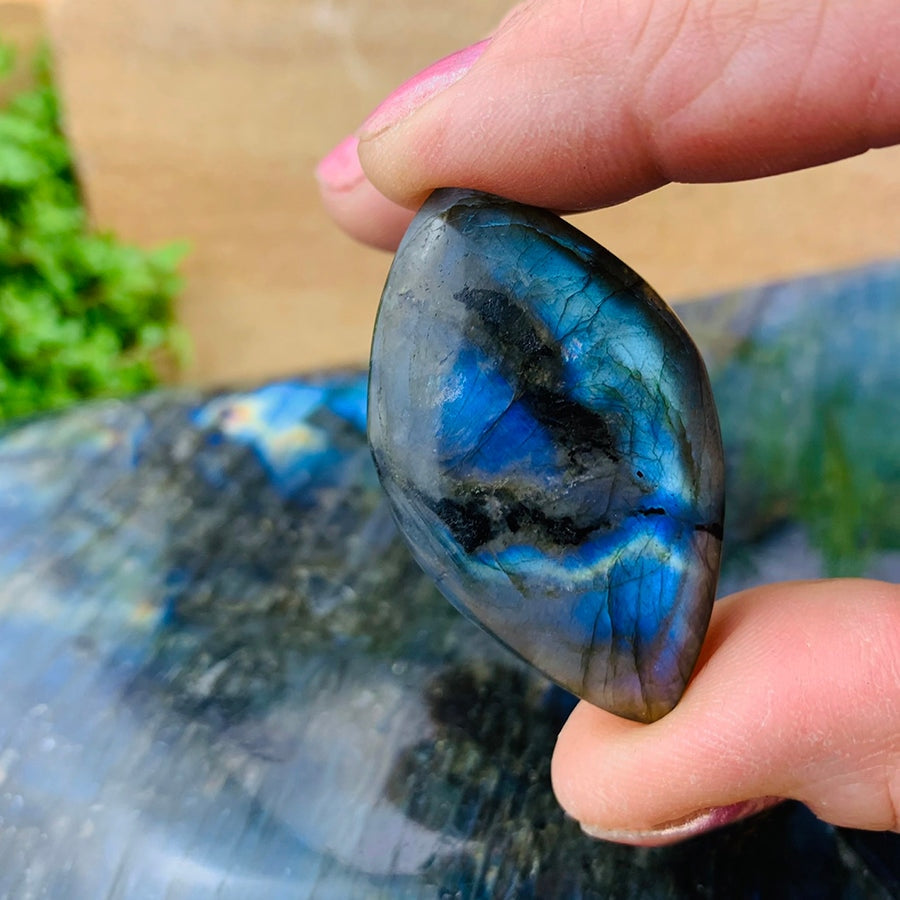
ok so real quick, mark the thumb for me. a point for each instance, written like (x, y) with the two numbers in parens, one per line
(573, 105)
(797, 695)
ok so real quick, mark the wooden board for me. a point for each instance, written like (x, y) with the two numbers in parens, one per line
(204, 120)
(22, 28)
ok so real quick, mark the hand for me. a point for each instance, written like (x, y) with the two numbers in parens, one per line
(796, 694)
(572, 105)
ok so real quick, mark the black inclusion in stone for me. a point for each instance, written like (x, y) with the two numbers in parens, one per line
(559, 530)
(532, 363)
(472, 526)
(467, 521)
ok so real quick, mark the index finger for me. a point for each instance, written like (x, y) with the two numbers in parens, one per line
(573, 106)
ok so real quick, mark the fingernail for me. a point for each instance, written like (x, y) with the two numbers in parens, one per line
(340, 169)
(696, 823)
(420, 88)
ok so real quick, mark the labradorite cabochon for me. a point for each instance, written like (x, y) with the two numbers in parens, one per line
(545, 431)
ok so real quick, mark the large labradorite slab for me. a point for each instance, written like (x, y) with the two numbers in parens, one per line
(545, 431)
(223, 676)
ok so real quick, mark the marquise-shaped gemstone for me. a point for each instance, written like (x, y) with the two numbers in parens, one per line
(545, 430)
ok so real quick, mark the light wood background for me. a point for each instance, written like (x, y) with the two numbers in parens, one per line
(22, 27)
(204, 119)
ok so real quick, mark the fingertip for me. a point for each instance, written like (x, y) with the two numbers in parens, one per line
(585, 744)
(340, 169)
(795, 695)
(621, 777)
(354, 203)
(366, 215)
(651, 792)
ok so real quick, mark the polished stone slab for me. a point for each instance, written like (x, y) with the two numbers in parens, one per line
(224, 676)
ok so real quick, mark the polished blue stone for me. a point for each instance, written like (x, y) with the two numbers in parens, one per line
(544, 428)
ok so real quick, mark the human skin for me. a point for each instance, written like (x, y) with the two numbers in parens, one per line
(573, 105)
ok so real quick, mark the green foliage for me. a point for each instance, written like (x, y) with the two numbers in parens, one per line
(81, 314)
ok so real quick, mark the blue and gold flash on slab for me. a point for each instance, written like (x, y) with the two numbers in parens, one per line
(545, 431)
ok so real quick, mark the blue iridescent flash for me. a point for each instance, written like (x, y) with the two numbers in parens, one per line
(545, 430)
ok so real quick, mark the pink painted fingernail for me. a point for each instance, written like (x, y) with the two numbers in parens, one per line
(696, 823)
(340, 169)
(413, 93)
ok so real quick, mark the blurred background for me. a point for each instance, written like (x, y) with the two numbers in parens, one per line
(202, 121)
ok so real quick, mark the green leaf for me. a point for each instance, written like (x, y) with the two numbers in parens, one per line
(81, 314)
(20, 168)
